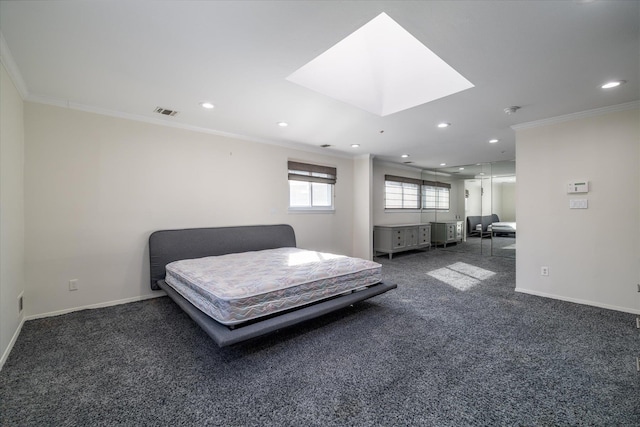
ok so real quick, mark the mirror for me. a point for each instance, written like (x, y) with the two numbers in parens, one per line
(503, 184)
(428, 215)
(444, 193)
(478, 196)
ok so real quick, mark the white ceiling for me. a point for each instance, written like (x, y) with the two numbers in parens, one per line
(381, 68)
(129, 57)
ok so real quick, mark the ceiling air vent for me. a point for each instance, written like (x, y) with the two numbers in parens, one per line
(325, 145)
(165, 111)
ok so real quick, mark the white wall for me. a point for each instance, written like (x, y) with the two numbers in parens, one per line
(474, 201)
(487, 207)
(11, 212)
(592, 254)
(362, 216)
(496, 199)
(508, 205)
(97, 186)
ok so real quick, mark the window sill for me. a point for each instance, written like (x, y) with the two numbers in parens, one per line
(311, 211)
(402, 211)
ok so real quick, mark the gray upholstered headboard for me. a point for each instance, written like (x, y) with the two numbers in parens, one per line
(166, 246)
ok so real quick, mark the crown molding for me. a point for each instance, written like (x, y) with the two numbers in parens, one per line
(580, 115)
(179, 125)
(12, 69)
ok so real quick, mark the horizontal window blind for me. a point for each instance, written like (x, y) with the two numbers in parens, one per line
(401, 193)
(311, 173)
(411, 193)
(435, 197)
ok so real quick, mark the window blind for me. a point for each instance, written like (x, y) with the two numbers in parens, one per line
(436, 184)
(311, 173)
(401, 192)
(402, 179)
(435, 195)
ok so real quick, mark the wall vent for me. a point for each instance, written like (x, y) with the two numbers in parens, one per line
(165, 111)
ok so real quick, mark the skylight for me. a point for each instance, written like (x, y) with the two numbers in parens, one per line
(382, 69)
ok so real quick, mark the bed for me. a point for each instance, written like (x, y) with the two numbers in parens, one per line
(218, 277)
(502, 227)
(489, 225)
(479, 225)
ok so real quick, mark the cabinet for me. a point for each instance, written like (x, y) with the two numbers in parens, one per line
(390, 239)
(444, 232)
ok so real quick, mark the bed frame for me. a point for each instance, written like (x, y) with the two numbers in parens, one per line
(166, 246)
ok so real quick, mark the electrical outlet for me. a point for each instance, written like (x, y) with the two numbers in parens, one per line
(544, 271)
(73, 284)
(20, 304)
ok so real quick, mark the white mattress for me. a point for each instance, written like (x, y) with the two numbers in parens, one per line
(505, 227)
(235, 288)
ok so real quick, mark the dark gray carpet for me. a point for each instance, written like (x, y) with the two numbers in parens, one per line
(424, 354)
(504, 246)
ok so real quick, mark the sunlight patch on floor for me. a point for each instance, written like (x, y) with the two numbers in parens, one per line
(461, 276)
(471, 270)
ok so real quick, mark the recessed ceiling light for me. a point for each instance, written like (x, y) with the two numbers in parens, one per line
(355, 145)
(283, 124)
(207, 105)
(461, 169)
(444, 125)
(493, 141)
(404, 156)
(443, 164)
(612, 84)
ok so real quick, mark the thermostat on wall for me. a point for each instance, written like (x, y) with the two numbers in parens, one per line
(578, 187)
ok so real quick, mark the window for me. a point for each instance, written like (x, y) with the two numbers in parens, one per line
(401, 193)
(435, 195)
(311, 186)
(411, 193)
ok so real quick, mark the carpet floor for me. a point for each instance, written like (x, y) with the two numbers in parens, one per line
(454, 345)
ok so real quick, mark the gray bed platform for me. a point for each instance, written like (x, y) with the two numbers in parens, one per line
(172, 245)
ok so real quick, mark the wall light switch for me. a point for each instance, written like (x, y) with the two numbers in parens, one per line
(578, 204)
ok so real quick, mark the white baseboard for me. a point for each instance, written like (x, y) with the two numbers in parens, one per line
(579, 301)
(14, 338)
(98, 305)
